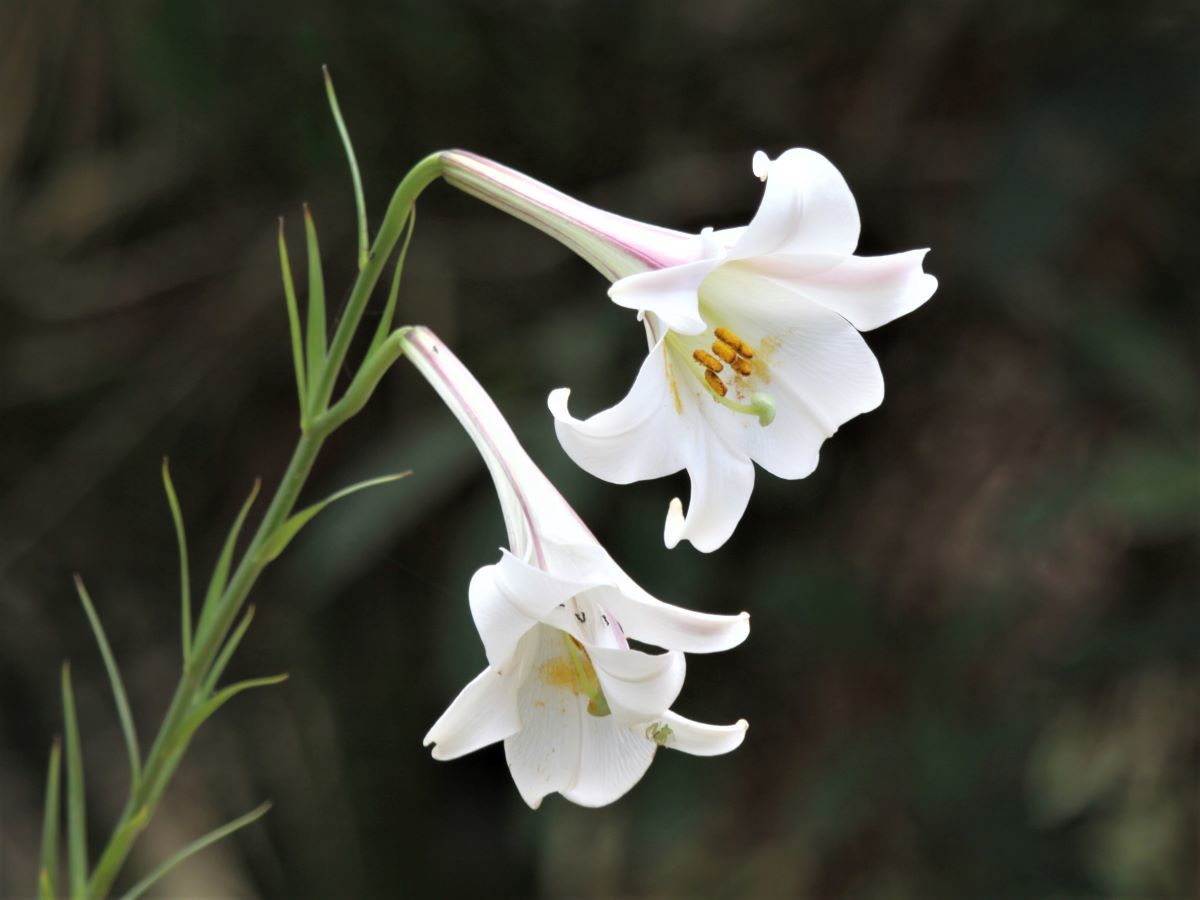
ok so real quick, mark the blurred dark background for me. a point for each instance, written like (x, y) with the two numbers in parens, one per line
(974, 666)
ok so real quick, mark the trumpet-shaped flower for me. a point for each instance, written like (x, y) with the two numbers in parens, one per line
(755, 352)
(580, 711)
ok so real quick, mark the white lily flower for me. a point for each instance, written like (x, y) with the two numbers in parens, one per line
(755, 352)
(580, 712)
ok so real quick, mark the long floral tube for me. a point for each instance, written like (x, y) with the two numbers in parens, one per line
(753, 332)
(580, 712)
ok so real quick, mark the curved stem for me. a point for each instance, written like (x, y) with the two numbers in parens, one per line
(418, 178)
(173, 736)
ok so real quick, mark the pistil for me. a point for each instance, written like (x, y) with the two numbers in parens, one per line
(589, 683)
(737, 353)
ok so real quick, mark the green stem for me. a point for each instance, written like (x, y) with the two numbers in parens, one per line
(168, 749)
(417, 179)
(172, 739)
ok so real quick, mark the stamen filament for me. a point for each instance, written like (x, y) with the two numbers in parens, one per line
(761, 405)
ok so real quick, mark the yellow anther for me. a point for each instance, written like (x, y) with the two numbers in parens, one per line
(724, 351)
(735, 342)
(741, 366)
(709, 362)
(714, 383)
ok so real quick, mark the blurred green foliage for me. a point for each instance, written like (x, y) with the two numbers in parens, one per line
(973, 668)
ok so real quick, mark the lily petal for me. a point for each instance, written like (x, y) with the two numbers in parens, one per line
(641, 615)
(544, 756)
(510, 598)
(612, 760)
(639, 438)
(670, 294)
(807, 207)
(722, 481)
(700, 739)
(651, 621)
(638, 686)
(822, 373)
(868, 291)
(485, 711)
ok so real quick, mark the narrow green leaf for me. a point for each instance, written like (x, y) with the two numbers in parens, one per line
(76, 830)
(203, 711)
(389, 310)
(316, 302)
(48, 875)
(218, 667)
(118, 689)
(220, 576)
(191, 849)
(293, 310)
(185, 578)
(282, 536)
(360, 205)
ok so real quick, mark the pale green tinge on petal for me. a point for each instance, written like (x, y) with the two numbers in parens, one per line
(700, 739)
(807, 207)
(484, 712)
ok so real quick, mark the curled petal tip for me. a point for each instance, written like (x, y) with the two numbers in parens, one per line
(761, 164)
(673, 530)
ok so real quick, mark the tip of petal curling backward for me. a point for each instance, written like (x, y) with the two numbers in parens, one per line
(761, 165)
(557, 403)
(673, 530)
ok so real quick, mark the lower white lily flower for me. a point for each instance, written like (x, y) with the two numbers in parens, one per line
(755, 352)
(580, 712)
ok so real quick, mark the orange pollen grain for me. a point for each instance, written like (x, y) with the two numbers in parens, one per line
(741, 366)
(709, 362)
(715, 383)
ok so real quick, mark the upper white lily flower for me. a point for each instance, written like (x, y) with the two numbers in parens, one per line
(579, 711)
(755, 352)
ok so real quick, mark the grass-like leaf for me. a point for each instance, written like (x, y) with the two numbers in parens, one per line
(191, 849)
(203, 711)
(222, 660)
(118, 689)
(293, 310)
(185, 577)
(76, 814)
(282, 536)
(360, 204)
(389, 310)
(48, 873)
(220, 575)
(316, 304)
